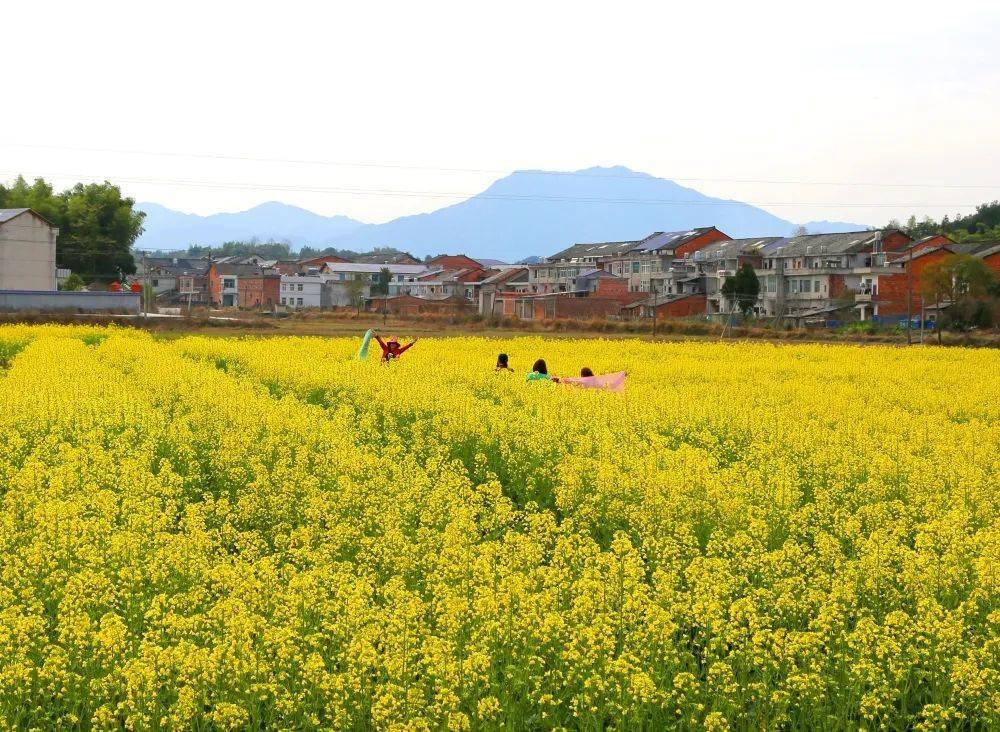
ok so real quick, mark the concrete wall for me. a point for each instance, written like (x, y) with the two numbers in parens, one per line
(76, 301)
(27, 254)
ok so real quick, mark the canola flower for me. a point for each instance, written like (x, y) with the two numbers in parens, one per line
(246, 533)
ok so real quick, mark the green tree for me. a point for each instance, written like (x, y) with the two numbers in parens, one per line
(355, 288)
(959, 282)
(38, 196)
(743, 288)
(381, 286)
(97, 226)
(73, 283)
(98, 231)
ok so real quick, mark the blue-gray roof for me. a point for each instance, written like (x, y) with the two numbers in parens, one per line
(6, 214)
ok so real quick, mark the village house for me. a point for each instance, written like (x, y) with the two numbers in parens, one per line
(717, 262)
(173, 279)
(305, 291)
(339, 274)
(820, 275)
(461, 283)
(492, 290)
(666, 306)
(243, 285)
(645, 261)
(27, 251)
(559, 272)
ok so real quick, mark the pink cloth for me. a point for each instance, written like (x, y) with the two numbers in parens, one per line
(611, 382)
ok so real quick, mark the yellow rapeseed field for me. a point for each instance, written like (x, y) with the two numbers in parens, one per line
(218, 533)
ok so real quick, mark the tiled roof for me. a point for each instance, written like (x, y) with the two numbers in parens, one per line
(597, 249)
(975, 248)
(734, 247)
(670, 239)
(505, 275)
(245, 270)
(6, 214)
(808, 244)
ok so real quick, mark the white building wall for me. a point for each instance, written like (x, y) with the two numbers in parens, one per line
(301, 291)
(27, 254)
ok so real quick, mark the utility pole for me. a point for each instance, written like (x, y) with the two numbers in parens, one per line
(653, 288)
(145, 294)
(909, 298)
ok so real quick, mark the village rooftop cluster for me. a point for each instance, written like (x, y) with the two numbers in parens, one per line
(808, 278)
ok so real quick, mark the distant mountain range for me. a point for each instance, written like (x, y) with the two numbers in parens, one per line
(168, 229)
(527, 213)
(832, 227)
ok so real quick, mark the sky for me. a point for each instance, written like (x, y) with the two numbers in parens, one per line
(380, 109)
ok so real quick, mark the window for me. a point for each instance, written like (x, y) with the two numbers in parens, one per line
(229, 283)
(156, 282)
(635, 268)
(300, 299)
(815, 285)
(300, 289)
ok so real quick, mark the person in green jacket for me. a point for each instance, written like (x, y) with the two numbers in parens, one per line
(540, 372)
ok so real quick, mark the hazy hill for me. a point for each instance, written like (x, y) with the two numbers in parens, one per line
(833, 227)
(528, 213)
(168, 229)
(538, 213)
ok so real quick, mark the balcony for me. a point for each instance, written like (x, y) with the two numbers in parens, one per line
(865, 293)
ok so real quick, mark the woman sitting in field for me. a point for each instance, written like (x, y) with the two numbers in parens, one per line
(502, 364)
(587, 380)
(540, 372)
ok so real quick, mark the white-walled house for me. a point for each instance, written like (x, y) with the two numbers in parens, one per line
(27, 251)
(304, 291)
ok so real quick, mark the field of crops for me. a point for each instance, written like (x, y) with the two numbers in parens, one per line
(218, 533)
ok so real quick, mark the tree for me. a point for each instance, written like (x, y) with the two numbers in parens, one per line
(355, 288)
(958, 281)
(98, 231)
(97, 226)
(73, 283)
(381, 286)
(268, 250)
(743, 288)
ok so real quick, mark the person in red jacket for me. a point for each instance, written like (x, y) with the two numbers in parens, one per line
(391, 348)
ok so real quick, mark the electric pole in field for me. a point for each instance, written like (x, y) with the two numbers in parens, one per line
(909, 298)
(145, 289)
(654, 310)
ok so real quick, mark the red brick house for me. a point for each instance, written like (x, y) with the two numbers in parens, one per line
(678, 306)
(894, 290)
(243, 285)
(991, 258)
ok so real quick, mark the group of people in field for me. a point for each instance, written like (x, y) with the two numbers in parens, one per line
(391, 350)
(540, 372)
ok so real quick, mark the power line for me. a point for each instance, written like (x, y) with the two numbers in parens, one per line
(487, 196)
(495, 171)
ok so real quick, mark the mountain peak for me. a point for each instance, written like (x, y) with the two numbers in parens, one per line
(538, 212)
